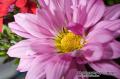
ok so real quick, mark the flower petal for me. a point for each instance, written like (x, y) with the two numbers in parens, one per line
(100, 36)
(76, 28)
(61, 9)
(75, 71)
(44, 3)
(57, 68)
(30, 24)
(109, 25)
(98, 51)
(40, 46)
(112, 12)
(115, 45)
(20, 3)
(25, 64)
(19, 30)
(49, 21)
(31, 47)
(79, 11)
(95, 13)
(93, 52)
(21, 50)
(107, 68)
(37, 71)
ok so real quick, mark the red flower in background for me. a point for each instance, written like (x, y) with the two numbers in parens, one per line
(25, 6)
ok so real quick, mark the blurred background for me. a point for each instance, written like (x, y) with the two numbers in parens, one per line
(7, 38)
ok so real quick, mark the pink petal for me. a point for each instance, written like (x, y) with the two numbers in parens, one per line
(25, 64)
(53, 5)
(37, 71)
(109, 25)
(79, 11)
(76, 28)
(112, 12)
(40, 46)
(68, 10)
(49, 21)
(30, 26)
(21, 50)
(32, 47)
(90, 4)
(74, 72)
(115, 45)
(59, 8)
(71, 74)
(93, 52)
(19, 30)
(57, 68)
(100, 36)
(44, 3)
(95, 13)
(107, 51)
(107, 68)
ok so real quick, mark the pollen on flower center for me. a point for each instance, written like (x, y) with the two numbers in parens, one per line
(68, 41)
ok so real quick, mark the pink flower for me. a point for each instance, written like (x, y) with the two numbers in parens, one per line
(65, 35)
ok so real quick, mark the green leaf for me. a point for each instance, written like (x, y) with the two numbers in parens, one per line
(17, 61)
(7, 39)
(111, 2)
(2, 54)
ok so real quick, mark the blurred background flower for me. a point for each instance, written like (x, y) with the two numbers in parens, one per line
(24, 6)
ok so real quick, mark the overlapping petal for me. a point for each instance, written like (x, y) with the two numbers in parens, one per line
(38, 67)
(31, 26)
(113, 25)
(112, 12)
(107, 68)
(25, 64)
(57, 68)
(31, 47)
(99, 36)
(21, 50)
(50, 21)
(97, 51)
(95, 11)
(75, 71)
(19, 30)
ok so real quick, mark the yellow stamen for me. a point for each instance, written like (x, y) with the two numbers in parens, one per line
(68, 41)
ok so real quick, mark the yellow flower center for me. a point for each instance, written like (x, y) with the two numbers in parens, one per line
(68, 41)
